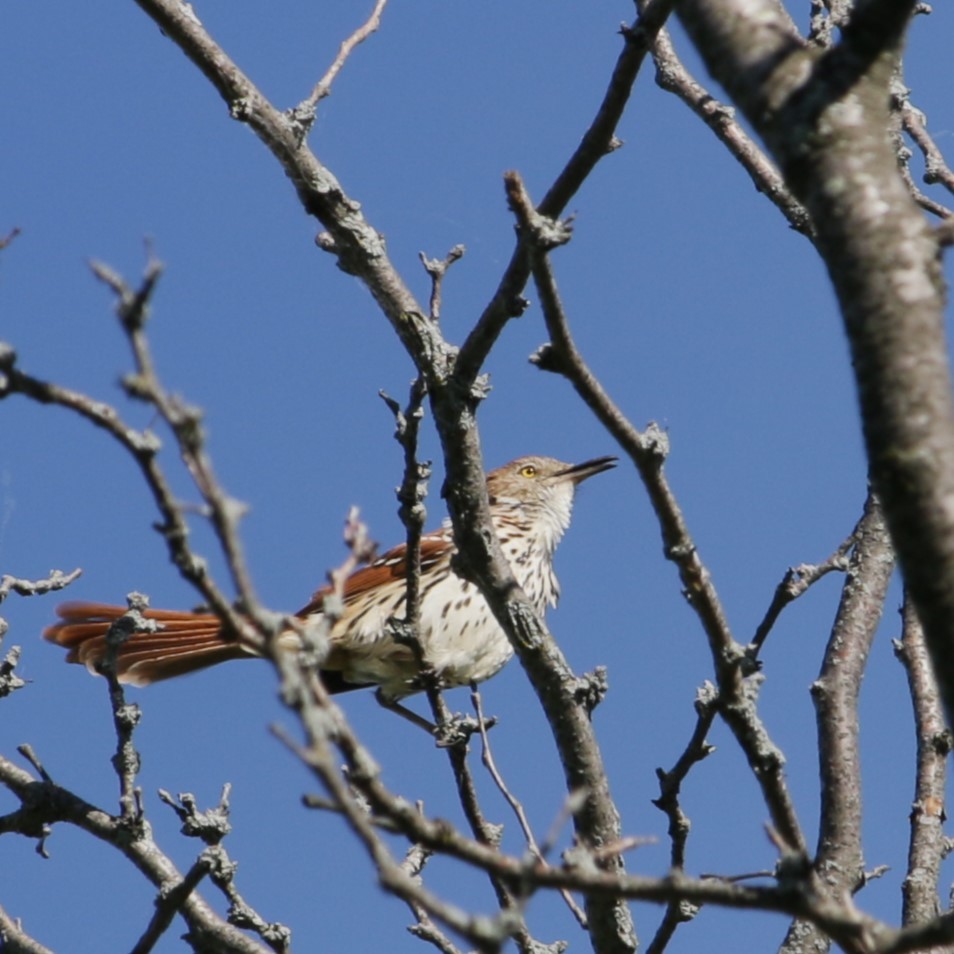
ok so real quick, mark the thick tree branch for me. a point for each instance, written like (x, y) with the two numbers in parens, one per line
(839, 859)
(825, 120)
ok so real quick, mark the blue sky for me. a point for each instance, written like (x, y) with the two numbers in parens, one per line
(688, 295)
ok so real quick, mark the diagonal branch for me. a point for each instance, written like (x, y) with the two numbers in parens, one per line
(824, 117)
(14, 940)
(598, 141)
(795, 583)
(673, 76)
(839, 861)
(928, 845)
(44, 803)
(648, 450)
(143, 447)
(305, 111)
(453, 385)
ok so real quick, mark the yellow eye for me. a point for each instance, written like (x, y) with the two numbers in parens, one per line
(528, 470)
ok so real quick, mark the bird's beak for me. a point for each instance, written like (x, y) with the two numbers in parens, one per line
(580, 472)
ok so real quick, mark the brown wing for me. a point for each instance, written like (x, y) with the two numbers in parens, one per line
(386, 569)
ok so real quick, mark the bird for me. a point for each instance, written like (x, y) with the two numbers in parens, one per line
(531, 500)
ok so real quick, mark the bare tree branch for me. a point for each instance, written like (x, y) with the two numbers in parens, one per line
(679, 911)
(437, 269)
(143, 447)
(454, 391)
(928, 846)
(598, 141)
(884, 268)
(306, 108)
(796, 583)
(487, 757)
(184, 420)
(14, 940)
(839, 861)
(817, 104)
(44, 803)
(936, 168)
(672, 76)
(648, 451)
(168, 906)
(57, 580)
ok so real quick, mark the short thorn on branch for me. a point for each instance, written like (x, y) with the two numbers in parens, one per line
(549, 358)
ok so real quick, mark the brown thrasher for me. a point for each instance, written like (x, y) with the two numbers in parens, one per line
(530, 503)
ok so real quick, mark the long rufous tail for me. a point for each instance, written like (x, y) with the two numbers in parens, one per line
(186, 642)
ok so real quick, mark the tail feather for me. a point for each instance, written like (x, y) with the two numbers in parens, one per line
(184, 643)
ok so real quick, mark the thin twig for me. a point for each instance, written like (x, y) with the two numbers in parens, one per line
(45, 803)
(437, 269)
(936, 170)
(9, 237)
(670, 783)
(425, 929)
(323, 86)
(183, 419)
(597, 142)
(10, 682)
(56, 580)
(673, 76)
(411, 494)
(487, 757)
(222, 874)
(168, 905)
(452, 732)
(795, 583)
(26, 750)
(126, 715)
(907, 119)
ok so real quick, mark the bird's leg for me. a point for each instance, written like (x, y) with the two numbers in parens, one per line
(452, 730)
(394, 706)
